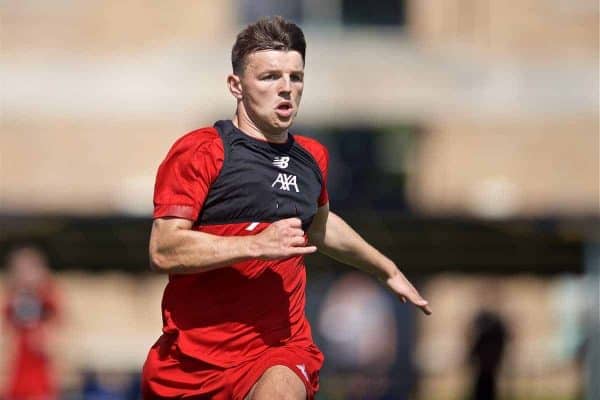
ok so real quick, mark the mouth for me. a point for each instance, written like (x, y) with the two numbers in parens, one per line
(284, 109)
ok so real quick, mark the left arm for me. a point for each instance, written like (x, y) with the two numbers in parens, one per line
(336, 239)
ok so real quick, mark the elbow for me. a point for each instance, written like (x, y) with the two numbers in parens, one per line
(159, 262)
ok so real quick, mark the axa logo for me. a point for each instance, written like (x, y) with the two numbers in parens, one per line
(281, 162)
(286, 181)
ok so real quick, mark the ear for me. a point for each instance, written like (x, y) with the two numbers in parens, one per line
(235, 86)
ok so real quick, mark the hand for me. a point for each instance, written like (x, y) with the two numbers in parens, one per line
(405, 290)
(282, 239)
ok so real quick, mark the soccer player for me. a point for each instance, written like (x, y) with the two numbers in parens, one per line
(237, 207)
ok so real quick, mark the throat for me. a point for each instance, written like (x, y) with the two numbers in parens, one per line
(251, 129)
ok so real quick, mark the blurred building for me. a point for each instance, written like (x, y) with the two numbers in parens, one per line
(504, 94)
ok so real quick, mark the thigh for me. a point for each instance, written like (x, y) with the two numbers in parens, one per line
(170, 375)
(303, 362)
(278, 382)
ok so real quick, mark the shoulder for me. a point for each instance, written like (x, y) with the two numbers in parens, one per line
(199, 138)
(313, 146)
(204, 140)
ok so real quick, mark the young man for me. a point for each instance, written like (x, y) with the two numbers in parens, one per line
(237, 206)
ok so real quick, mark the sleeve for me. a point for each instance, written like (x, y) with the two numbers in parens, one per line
(323, 162)
(184, 177)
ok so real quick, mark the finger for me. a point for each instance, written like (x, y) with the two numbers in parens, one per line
(297, 241)
(293, 222)
(403, 299)
(426, 309)
(303, 250)
(422, 304)
(416, 298)
(297, 232)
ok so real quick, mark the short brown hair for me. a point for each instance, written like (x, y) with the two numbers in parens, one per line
(269, 33)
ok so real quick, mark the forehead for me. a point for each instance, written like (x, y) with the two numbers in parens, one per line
(264, 60)
(26, 256)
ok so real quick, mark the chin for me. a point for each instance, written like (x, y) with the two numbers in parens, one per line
(282, 125)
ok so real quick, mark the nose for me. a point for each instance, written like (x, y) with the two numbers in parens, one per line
(286, 86)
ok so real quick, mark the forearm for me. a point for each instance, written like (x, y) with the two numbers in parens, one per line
(184, 251)
(344, 244)
(337, 239)
(176, 248)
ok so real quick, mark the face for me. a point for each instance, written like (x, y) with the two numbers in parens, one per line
(271, 88)
(27, 268)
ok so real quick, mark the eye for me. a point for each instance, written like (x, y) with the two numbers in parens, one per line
(269, 77)
(296, 78)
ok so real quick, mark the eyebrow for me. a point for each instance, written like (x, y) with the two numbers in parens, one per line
(277, 71)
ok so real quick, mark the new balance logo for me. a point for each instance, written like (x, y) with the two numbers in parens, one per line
(281, 162)
(285, 181)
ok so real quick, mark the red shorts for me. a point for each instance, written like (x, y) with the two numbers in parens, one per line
(169, 374)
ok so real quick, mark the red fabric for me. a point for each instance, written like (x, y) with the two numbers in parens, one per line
(164, 376)
(236, 313)
(229, 318)
(185, 176)
(32, 375)
(321, 156)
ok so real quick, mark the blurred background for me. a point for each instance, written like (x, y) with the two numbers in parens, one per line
(464, 141)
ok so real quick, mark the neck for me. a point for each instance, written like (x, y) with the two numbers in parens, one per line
(243, 122)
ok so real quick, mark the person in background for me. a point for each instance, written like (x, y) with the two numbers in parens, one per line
(487, 351)
(30, 311)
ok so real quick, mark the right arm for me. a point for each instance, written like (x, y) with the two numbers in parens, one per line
(183, 180)
(176, 248)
